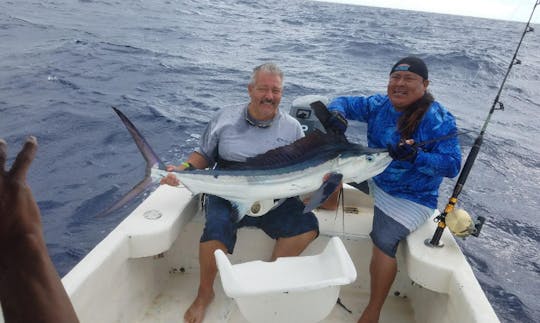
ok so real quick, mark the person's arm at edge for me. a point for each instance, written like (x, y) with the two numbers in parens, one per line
(30, 287)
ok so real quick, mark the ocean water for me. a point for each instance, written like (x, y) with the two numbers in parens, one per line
(169, 65)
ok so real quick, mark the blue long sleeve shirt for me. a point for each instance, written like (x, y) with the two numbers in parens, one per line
(418, 181)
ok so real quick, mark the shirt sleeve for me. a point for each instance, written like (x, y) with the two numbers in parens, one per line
(441, 158)
(354, 107)
(208, 144)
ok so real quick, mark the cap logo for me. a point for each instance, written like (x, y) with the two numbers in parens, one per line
(402, 67)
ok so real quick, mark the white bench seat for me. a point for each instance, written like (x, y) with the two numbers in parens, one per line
(290, 289)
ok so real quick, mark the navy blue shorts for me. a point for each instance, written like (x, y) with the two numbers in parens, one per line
(287, 220)
(386, 232)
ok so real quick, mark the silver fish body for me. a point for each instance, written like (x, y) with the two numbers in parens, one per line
(292, 170)
(245, 187)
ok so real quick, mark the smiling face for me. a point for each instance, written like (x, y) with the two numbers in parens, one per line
(265, 93)
(405, 88)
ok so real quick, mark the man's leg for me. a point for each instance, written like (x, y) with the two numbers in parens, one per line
(382, 269)
(292, 229)
(293, 246)
(219, 233)
(208, 272)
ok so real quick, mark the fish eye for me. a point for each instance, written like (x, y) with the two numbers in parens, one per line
(369, 158)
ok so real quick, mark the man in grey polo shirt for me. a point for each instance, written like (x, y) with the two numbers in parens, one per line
(233, 135)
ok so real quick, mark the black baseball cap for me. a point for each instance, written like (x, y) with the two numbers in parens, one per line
(412, 64)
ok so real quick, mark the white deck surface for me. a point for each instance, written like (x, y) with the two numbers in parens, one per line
(147, 269)
(181, 288)
(170, 305)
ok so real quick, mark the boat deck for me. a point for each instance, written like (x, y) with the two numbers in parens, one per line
(171, 304)
(147, 269)
(182, 283)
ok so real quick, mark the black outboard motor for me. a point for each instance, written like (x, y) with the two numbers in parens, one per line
(302, 111)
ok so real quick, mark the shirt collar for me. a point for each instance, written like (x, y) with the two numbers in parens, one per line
(258, 123)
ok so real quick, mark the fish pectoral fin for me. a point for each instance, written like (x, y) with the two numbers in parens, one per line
(323, 193)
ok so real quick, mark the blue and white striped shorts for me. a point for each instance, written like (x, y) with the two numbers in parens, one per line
(394, 219)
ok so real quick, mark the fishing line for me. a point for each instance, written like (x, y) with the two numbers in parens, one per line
(425, 142)
(497, 105)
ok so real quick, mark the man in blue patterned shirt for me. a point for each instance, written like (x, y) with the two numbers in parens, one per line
(406, 192)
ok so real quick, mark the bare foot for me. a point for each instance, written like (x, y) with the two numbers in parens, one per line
(368, 317)
(195, 313)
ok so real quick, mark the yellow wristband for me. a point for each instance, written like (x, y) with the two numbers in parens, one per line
(186, 165)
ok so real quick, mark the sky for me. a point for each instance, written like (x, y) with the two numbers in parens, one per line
(515, 10)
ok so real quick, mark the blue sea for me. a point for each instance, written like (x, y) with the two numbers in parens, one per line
(170, 65)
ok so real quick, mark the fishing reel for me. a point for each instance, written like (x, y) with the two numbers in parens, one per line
(462, 225)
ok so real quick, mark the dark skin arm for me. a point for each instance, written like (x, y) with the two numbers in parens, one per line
(30, 288)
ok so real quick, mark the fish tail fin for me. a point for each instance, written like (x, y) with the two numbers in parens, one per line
(128, 197)
(152, 161)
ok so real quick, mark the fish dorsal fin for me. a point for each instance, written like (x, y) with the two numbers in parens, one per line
(298, 151)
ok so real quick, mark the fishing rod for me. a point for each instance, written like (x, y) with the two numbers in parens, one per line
(497, 105)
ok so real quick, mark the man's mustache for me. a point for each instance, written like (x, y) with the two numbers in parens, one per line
(264, 101)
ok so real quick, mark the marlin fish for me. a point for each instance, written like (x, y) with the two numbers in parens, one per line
(316, 163)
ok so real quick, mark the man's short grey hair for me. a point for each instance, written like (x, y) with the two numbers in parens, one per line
(271, 68)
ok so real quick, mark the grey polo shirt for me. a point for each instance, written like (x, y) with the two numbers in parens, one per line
(230, 134)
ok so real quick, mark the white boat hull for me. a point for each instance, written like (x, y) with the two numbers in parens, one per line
(146, 270)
